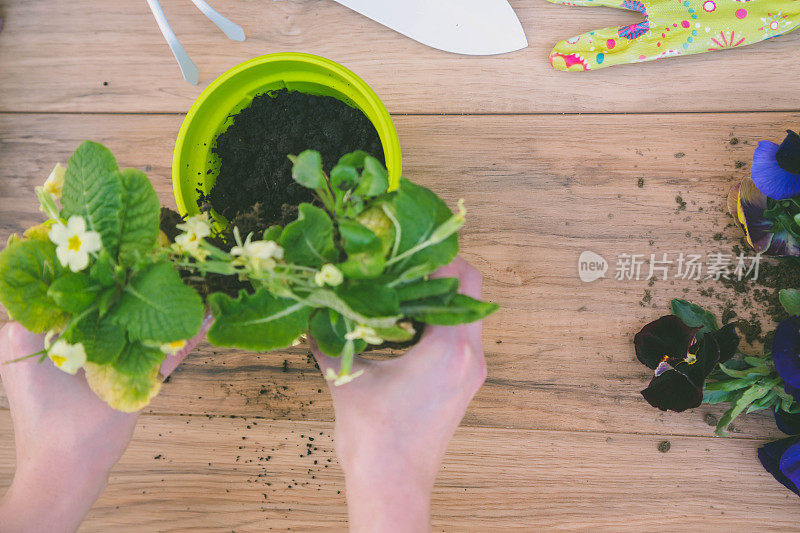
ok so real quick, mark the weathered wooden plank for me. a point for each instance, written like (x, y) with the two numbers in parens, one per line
(57, 56)
(194, 474)
(540, 190)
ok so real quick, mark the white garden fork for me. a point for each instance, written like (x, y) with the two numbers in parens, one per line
(188, 68)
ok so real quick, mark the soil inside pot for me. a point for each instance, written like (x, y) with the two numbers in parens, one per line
(254, 167)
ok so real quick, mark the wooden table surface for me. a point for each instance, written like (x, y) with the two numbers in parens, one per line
(550, 164)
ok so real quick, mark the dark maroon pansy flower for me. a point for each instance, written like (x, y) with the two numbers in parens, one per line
(681, 363)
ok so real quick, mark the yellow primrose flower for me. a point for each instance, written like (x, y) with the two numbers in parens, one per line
(195, 229)
(338, 380)
(365, 333)
(197, 226)
(174, 347)
(68, 357)
(329, 275)
(74, 243)
(54, 183)
(258, 255)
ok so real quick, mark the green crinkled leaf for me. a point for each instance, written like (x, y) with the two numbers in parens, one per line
(157, 306)
(307, 169)
(308, 240)
(73, 292)
(93, 190)
(131, 381)
(273, 233)
(374, 178)
(461, 309)
(141, 214)
(27, 269)
(328, 329)
(354, 159)
(259, 321)
(694, 316)
(445, 287)
(102, 340)
(343, 178)
(395, 334)
(328, 298)
(419, 212)
(370, 299)
(103, 270)
(790, 300)
(365, 254)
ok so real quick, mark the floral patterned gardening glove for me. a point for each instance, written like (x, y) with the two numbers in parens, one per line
(674, 28)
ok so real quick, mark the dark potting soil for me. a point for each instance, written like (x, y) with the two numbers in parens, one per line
(253, 151)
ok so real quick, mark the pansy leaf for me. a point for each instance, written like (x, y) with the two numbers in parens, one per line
(790, 300)
(308, 241)
(157, 306)
(307, 169)
(74, 292)
(694, 316)
(27, 269)
(258, 321)
(328, 329)
(102, 340)
(742, 402)
(460, 309)
(93, 190)
(131, 381)
(141, 215)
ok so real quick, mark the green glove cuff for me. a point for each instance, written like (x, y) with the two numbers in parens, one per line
(674, 28)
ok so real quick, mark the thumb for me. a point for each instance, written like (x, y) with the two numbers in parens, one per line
(173, 360)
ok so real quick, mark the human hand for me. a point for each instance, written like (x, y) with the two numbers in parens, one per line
(67, 439)
(393, 423)
(674, 28)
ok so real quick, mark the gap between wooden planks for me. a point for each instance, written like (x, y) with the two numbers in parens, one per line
(59, 56)
(194, 474)
(539, 189)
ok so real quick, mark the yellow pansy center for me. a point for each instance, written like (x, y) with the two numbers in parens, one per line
(691, 358)
(58, 360)
(74, 243)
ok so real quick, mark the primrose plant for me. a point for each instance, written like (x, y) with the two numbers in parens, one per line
(351, 271)
(96, 279)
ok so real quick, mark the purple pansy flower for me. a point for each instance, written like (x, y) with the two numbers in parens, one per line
(776, 169)
(782, 459)
(748, 206)
(786, 351)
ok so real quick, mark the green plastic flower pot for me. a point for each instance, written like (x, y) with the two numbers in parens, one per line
(194, 166)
